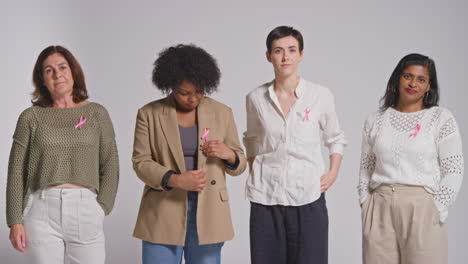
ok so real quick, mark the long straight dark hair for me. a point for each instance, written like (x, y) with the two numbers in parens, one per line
(392, 94)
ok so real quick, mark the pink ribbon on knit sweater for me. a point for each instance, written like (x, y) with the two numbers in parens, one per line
(82, 121)
(416, 130)
(206, 131)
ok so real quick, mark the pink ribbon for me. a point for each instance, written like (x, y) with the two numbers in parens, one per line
(206, 131)
(416, 130)
(82, 121)
(306, 114)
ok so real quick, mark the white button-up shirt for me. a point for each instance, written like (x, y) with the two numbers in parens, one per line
(287, 149)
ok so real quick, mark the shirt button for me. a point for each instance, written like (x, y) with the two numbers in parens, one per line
(213, 182)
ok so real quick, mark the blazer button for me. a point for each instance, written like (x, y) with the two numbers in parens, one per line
(213, 182)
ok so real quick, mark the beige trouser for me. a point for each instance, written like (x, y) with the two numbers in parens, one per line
(64, 226)
(400, 225)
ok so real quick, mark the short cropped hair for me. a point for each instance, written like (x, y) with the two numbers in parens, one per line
(284, 31)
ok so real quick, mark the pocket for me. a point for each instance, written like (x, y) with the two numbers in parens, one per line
(307, 131)
(28, 205)
(91, 217)
(366, 202)
(223, 194)
(100, 209)
(35, 208)
(323, 204)
(434, 211)
(365, 211)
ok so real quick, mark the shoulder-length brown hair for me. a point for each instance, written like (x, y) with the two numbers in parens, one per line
(41, 95)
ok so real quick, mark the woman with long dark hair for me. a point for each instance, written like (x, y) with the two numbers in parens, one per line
(411, 169)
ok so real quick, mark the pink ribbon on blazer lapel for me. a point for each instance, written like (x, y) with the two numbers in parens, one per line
(416, 130)
(206, 131)
(82, 121)
(306, 114)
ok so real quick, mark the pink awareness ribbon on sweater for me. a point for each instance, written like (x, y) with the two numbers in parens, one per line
(82, 121)
(416, 130)
(306, 114)
(206, 131)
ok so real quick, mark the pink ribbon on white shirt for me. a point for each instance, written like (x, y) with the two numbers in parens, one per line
(416, 130)
(82, 121)
(306, 114)
(206, 131)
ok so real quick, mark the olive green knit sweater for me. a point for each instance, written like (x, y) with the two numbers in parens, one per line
(51, 147)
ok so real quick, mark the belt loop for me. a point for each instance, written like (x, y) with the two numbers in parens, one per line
(43, 194)
(82, 196)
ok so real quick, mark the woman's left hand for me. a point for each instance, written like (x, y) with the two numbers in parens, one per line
(327, 180)
(216, 148)
(18, 237)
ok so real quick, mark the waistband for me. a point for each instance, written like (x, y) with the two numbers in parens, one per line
(59, 193)
(401, 189)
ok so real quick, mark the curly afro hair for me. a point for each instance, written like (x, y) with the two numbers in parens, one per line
(186, 63)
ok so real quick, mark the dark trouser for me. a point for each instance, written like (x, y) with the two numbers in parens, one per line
(289, 234)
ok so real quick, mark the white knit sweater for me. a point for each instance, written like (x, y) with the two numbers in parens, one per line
(422, 148)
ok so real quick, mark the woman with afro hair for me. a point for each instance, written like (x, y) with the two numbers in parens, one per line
(184, 144)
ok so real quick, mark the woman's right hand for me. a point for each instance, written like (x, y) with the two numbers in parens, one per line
(193, 180)
(18, 237)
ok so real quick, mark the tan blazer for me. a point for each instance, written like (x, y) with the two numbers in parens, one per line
(157, 149)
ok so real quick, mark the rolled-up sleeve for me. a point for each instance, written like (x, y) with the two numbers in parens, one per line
(333, 136)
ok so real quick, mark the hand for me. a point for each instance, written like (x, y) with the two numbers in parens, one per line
(18, 237)
(327, 180)
(193, 180)
(216, 148)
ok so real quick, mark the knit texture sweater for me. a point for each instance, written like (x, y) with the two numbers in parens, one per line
(422, 148)
(62, 145)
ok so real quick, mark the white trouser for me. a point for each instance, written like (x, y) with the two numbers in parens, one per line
(64, 226)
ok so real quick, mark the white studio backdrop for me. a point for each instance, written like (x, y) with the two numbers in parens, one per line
(350, 47)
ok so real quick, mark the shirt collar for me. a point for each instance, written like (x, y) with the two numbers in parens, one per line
(299, 89)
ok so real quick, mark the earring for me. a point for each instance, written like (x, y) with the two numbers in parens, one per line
(426, 95)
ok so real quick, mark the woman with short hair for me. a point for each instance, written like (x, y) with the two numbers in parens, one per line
(288, 177)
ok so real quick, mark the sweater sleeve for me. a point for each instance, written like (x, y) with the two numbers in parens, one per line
(450, 156)
(367, 164)
(333, 136)
(17, 168)
(108, 164)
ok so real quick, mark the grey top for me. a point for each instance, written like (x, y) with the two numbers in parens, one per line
(189, 140)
